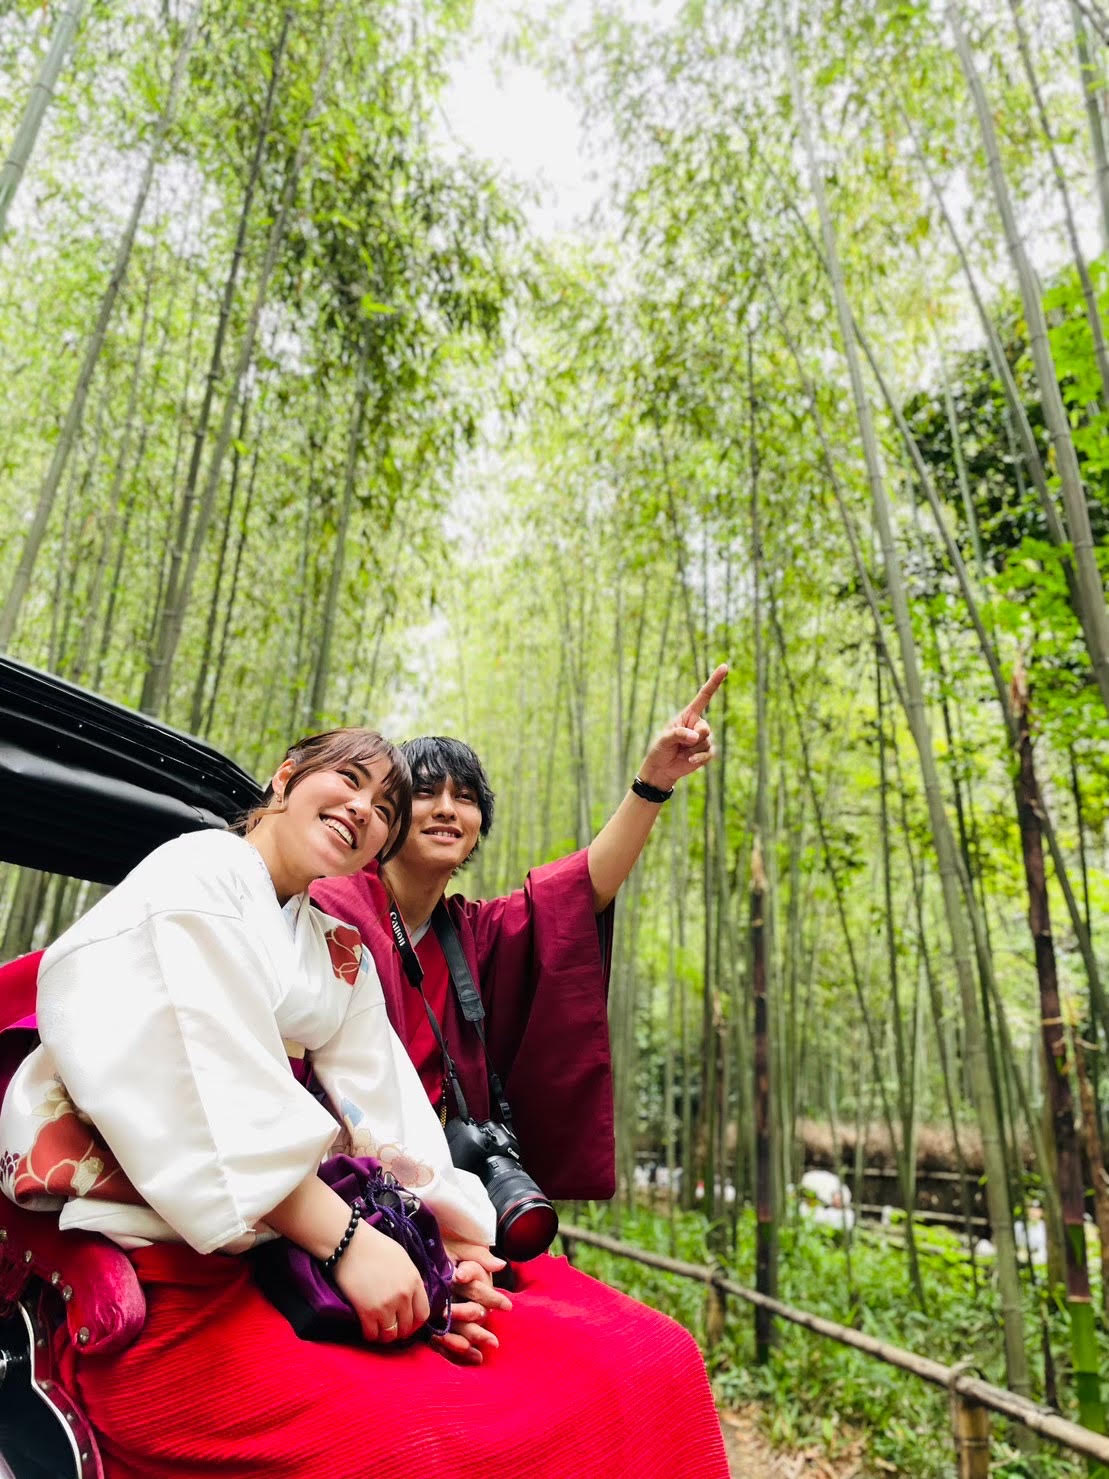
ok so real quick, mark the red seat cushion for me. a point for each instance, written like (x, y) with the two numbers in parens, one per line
(105, 1306)
(18, 983)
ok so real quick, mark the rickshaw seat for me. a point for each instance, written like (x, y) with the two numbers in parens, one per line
(104, 1303)
(18, 983)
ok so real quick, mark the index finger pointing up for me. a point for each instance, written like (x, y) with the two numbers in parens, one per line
(704, 696)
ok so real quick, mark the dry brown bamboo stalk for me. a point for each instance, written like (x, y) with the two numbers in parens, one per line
(1096, 1157)
(764, 1200)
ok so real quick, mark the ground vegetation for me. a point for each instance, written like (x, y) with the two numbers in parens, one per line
(302, 422)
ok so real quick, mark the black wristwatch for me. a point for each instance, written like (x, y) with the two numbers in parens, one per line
(651, 793)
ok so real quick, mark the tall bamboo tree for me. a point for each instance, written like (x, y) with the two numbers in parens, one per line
(1092, 93)
(1092, 611)
(42, 94)
(17, 592)
(156, 684)
(1054, 1037)
(1016, 1361)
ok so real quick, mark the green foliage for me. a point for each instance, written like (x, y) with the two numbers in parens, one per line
(565, 466)
(815, 1391)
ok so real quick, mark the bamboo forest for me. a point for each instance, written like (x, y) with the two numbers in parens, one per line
(310, 417)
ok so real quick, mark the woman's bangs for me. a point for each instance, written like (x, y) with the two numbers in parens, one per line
(333, 749)
(363, 747)
(339, 747)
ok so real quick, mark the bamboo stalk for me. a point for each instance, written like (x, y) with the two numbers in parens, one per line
(905, 1102)
(1000, 1215)
(67, 437)
(322, 666)
(764, 1172)
(42, 93)
(1098, 21)
(229, 609)
(837, 883)
(80, 661)
(1096, 1157)
(202, 681)
(1089, 297)
(1083, 1342)
(1090, 91)
(970, 1427)
(1092, 612)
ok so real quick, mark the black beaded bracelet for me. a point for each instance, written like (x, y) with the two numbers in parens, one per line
(651, 793)
(344, 1242)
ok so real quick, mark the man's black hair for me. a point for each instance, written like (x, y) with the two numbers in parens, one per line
(433, 758)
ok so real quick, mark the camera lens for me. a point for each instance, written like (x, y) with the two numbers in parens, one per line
(526, 1221)
(526, 1230)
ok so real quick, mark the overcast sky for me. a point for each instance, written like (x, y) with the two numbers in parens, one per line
(510, 114)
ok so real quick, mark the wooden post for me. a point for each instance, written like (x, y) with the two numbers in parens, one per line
(970, 1427)
(716, 1311)
(970, 1424)
(568, 1247)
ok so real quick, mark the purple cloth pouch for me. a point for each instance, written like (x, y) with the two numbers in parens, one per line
(297, 1285)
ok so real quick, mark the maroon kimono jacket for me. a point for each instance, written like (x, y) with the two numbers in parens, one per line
(540, 958)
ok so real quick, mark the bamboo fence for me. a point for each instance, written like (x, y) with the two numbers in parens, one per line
(972, 1398)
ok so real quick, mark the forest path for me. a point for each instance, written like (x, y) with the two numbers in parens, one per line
(752, 1456)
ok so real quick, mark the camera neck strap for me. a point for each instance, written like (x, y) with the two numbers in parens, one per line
(469, 998)
(415, 973)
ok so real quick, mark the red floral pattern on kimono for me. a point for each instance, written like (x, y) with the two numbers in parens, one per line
(344, 946)
(69, 1158)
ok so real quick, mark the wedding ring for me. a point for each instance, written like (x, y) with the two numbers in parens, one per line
(392, 1327)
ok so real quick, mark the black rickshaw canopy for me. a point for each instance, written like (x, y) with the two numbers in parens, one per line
(89, 787)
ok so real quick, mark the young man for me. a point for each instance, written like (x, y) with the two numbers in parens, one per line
(539, 956)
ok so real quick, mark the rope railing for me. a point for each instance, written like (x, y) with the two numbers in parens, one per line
(972, 1398)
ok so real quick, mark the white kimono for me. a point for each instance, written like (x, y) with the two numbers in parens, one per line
(161, 1105)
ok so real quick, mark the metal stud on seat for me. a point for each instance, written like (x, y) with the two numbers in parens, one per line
(27, 1255)
(83, 1335)
(67, 1292)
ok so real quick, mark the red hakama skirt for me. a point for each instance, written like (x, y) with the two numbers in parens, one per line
(586, 1382)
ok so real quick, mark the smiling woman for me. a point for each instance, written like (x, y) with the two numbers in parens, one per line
(165, 1016)
(185, 981)
(336, 802)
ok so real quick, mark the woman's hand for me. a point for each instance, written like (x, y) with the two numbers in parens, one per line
(375, 1274)
(685, 743)
(474, 1296)
(379, 1279)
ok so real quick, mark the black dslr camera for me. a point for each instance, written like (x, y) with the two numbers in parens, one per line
(526, 1221)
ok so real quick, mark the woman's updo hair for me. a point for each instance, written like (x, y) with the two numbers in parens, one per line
(331, 750)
